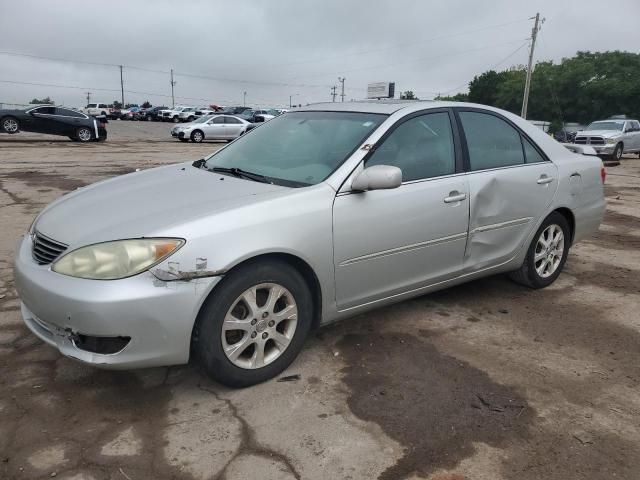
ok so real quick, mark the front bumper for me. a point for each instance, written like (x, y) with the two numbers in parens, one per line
(158, 316)
(604, 149)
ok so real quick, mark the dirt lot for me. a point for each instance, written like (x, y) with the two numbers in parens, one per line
(484, 381)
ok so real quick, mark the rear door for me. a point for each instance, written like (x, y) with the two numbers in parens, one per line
(511, 185)
(233, 127)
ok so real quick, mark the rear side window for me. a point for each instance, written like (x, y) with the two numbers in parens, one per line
(531, 154)
(45, 110)
(422, 147)
(92, 105)
(68, 113)
(491, 141)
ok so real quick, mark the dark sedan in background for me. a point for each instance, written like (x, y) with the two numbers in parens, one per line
(54, 121)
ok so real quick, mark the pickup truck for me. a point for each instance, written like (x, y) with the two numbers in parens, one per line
(612, 137)
(97, 109)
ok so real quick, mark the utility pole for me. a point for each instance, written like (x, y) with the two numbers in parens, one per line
(173, 84)
(527, 86)
(333, 93)
(121, 87)
(244, 99)
(88, 98)
(341, 80)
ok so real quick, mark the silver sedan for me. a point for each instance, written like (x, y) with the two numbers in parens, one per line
(318, 215)
(211, 127)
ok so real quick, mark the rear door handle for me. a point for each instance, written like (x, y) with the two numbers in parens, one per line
(455, 197)
(544, 180)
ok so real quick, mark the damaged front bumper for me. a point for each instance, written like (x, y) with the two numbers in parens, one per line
(140, 321)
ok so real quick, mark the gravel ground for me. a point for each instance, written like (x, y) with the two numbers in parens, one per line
(487, 380)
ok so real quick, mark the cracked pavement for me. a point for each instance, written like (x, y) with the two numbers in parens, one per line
(487, 380)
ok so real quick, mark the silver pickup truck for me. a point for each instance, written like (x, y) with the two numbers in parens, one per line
(611, 137)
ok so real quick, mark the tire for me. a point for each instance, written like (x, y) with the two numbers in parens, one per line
(190, 119)
(84, 135)
(10, 125)
(533, 273)
(104, 114)
(197, 136)
(176, 119)
(618, 151)
(256, 333)
(149, 118)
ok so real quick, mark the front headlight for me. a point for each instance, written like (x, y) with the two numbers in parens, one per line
(118, 259)
(610, 140)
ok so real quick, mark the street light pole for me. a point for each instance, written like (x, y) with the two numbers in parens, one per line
(291, 99)
(244, 99)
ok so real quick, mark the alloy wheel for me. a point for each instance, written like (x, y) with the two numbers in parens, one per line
(259, 326)
(84, 134)
(197, 137)
(549, 251)
(10, 125)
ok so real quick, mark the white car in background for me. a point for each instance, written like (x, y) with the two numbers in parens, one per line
(212, 127)
(173, 115)
(97, 109)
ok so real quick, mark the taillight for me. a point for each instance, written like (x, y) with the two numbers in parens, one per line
(603, 174)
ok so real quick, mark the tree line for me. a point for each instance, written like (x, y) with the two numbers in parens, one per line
(589, 86)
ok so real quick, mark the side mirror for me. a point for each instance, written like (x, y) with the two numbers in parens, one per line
(377, 177)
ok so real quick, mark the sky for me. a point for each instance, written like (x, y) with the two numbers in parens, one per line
(269, 53)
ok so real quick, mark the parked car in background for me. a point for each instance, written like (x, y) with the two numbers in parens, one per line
(152, 114)
(234, 110)
(204, 111)
(213, 127)
(187, 114)
(173, 115)
(317, 215)
(96, 109)
(612, 137)
(568, 132)
(256, 116)
(131, 113)
(53, 120)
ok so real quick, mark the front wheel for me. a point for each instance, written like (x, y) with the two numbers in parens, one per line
(617, 153)
(83, 134)
(254, 324)
(547, 253)
(10, 125)
(197, 136)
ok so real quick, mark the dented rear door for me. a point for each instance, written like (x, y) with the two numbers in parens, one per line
(511, 185)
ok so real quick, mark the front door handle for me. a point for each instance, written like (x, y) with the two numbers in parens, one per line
(455, 197)
(544, 179)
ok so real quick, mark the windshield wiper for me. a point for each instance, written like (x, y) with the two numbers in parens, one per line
(238, 172)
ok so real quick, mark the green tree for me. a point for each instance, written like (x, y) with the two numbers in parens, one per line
(45, 100)
(117, 104)
(458, 97)
(408, 95)
(147, 104)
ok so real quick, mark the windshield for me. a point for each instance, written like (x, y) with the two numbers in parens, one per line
(606, 126)
(298, 149)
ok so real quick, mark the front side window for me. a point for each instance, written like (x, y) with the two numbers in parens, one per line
(217, 120)
(300, 148)
(492, 142)
(422, 147)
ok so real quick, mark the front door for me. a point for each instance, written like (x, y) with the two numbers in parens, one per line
(388, 242)
(511, 185)
(214, 129)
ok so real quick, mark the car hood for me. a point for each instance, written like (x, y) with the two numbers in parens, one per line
(146, 204)
(600, 133)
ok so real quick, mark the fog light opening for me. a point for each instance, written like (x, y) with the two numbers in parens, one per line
(101, 345)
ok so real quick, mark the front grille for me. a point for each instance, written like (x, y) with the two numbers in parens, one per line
(45, 250)
(590, 140)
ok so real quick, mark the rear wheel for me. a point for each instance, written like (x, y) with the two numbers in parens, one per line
(10, 125)
(176, 119)
(254, 324)
(197, 136)
(547, 253)
(83, 134)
